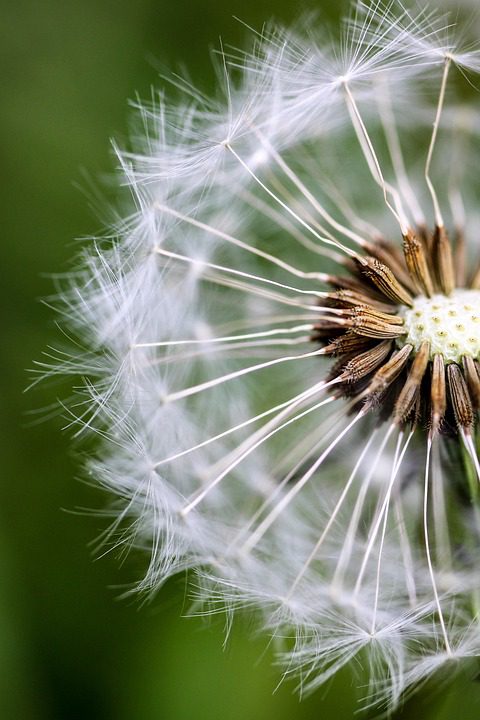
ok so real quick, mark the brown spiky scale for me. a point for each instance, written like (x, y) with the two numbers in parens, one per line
(442, 253)
(376, 367)
(416, 260)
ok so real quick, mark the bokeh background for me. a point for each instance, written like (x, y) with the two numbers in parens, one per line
(71, 645)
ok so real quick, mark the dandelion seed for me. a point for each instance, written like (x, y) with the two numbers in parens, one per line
(285, 346)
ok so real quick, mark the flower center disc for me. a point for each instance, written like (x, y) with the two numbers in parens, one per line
(450, 324)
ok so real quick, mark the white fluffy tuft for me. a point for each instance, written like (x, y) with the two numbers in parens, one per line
(217, 431)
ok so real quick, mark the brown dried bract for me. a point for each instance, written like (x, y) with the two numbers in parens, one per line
(374, 366)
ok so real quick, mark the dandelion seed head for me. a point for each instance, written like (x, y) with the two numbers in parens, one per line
(280, 346)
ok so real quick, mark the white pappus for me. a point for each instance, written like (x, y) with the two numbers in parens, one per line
(320, 206)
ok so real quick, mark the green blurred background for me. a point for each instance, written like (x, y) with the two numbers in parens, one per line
(70, 646)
